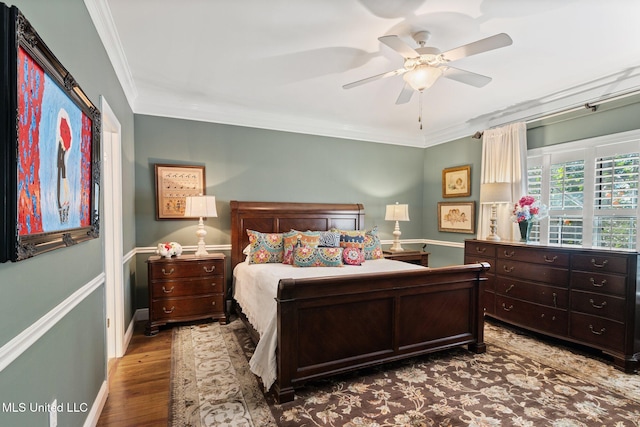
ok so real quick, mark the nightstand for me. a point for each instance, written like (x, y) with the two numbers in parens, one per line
(412, 257)
(186, 288)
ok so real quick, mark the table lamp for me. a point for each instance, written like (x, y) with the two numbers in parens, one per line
(201, 206)
(494, 193)
(397, 213)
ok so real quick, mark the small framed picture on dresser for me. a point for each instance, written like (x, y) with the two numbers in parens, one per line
(173, 184)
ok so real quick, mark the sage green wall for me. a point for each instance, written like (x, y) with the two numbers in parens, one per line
(262, 165)
(68, 362)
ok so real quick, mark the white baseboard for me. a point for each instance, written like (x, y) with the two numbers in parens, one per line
(98, 404)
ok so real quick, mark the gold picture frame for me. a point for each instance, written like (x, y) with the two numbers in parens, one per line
(173, 184)
(456, 181)
(457, 217)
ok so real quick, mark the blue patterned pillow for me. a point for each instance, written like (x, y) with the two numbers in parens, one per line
(265, 247)
(372, 245)
(329, 239)
(306, 256)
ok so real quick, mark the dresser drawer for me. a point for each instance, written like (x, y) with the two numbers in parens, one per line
(479, 249)
(599, 263)
(535, 255)
(611, 284)
(532, 292)
(538, 272)
(598, 304)
(188, 287)
(176, 309)
(597, 331)
(174, 270)
(532, 316)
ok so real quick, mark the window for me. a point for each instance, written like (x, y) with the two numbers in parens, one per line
(591, 189)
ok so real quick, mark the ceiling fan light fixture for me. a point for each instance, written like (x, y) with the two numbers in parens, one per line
(422, 77)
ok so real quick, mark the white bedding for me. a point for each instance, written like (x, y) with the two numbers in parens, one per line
(256, 287)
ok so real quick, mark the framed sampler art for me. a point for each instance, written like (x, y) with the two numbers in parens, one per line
(50, 146)
(173, 184)
(457, 217)
(456, 182)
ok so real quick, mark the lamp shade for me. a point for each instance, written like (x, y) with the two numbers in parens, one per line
(495, 192)
(201, 206)
(397, 212)
(422, 77)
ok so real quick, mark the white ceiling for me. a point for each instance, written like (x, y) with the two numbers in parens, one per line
(281, 64)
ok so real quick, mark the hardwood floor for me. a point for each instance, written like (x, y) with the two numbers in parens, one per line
(139, 386)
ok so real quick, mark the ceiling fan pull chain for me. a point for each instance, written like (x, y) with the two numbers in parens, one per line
(420, 109)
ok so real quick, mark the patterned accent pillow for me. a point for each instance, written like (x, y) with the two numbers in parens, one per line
(372, 245)
(352, 256)
(293, 238)
(265, 247)
(329, 239)
(306, 256)
(351, 238)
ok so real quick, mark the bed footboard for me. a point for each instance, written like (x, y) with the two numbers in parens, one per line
(328, 326)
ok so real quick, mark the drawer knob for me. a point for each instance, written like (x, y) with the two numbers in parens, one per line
(593, 331)
(169, 273)
(168, 311)
(213, 303)
(550, 260)
(555, 299)
(597, 285)
(509, 288)
(509, 254)
(209, 270)
(595, 264)
(508, 269)
(505, 308)
(167, 291)
(594, 305)
(480, 250)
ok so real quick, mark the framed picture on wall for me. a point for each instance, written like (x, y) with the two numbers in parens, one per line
(50, 147)
(457, 217)
(456, 181)
(173, 184)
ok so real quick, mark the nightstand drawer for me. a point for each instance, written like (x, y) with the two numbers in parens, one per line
(174, 270)
(193, 287)
(183, 308)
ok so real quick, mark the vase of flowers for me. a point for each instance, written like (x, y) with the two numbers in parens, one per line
(527, 211)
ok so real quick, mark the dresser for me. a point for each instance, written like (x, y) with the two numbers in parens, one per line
(185, 288)
(585, 296)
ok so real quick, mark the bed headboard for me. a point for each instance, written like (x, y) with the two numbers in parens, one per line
(274, 217)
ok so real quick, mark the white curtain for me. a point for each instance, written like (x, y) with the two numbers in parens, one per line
(504, 159)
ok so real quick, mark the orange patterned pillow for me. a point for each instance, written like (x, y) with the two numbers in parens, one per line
(294, 238)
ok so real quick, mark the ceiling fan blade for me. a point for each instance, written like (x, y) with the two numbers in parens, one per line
(395, 43)
(405, 94)
(490, 43)
(462, 76)
(376, 77)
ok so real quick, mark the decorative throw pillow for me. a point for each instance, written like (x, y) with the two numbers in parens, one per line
(329, 239)
(352, 256)
(306, 256)
(352, 238)
(265, 247)
(293, 238)
(372, 245)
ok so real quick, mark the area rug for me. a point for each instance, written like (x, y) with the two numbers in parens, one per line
(519, 381)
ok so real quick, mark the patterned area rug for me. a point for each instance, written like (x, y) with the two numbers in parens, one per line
(518, 382)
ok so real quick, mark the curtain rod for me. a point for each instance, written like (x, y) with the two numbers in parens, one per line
(593, 106)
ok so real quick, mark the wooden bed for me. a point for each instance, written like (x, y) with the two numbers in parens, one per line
(332, 325)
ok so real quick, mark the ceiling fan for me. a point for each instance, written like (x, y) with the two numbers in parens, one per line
(424, 65)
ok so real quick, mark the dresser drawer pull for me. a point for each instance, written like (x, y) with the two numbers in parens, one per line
(480, 250)
(547, 259)
(508, 269)
(594, 305)
(555, 299)
(168, 291)
(597, 285)
(600, 332)
(213, 303)
(505, 308)
(509, 254)
(552, 317)
(169, 273)
(168, 311)
(506, 291)
(206, 270)
(595, 264)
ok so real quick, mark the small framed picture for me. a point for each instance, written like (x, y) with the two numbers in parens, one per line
(456, 182)
(457, 217)
(173, 184)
